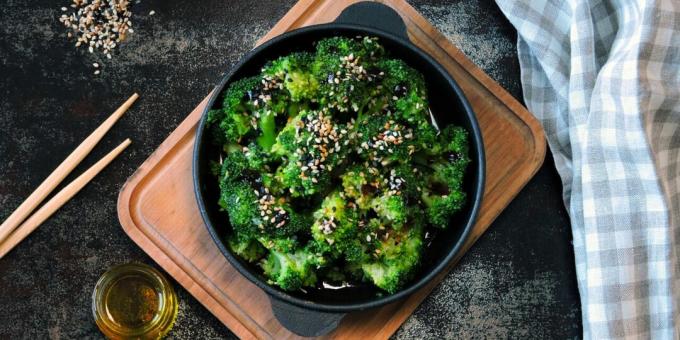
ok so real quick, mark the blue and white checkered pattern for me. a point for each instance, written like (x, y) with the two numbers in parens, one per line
(604, 79)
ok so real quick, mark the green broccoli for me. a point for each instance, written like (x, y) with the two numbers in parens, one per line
(249, 249)
(234, 119)
(312, 145)
(407, 181)
(391, 209)
(295, 74)
(343, 68)
(445, 196)
(360, 184)
(257, 157)
(382, 140)
(239, 200)
(289, 139)
(336, 224)
(398, 256)
(285, 244)
(331, 167)
(362, 247)
(292, 270)
(233, 167)
(406, 92)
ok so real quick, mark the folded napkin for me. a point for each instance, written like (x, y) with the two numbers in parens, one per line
(604, 79)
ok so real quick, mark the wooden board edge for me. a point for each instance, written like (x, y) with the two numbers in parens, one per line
(508, 100)
(290, 18)
(175, 271)
(158, 255)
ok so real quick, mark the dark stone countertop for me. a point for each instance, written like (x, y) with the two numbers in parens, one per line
(517, 281)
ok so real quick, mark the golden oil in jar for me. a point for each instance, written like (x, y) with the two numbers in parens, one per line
(134, 301)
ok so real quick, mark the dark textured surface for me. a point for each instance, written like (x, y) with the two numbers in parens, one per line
(518, 280)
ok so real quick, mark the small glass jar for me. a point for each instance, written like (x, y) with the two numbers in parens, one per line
(134, 301)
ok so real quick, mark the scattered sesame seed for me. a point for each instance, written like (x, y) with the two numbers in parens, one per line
(98, 24)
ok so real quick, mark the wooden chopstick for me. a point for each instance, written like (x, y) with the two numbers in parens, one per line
(58, 200)
(58, 175)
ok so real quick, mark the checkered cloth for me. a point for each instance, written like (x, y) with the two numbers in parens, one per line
(604, 79)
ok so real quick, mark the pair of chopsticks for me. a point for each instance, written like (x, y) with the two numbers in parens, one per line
(13, 231)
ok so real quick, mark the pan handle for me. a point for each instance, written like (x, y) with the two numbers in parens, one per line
(304, 322)
(374, 15)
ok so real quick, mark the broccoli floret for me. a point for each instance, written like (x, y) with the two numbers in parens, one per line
(239, 200)
(336, 224)
(450, 141)
(233, 167)
(427, 140)
(366, 48)
(392, 209)
(312, 145)
(292, 270)
(444, 195)
(244, 162)
(343, 68)
(360, 184)
(398, 75)
(407, 181)
(288, 139)
(280, 244)
(247, 248)
(362, 246)
(382, 140)
(398, 256)
(238, 94)
(406, 91)
(277, 218)
(258, 158)
(233, 120)
(440, 208)
(295, 74)
(301, 183)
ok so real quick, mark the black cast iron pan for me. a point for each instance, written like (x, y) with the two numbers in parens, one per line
(317, 312)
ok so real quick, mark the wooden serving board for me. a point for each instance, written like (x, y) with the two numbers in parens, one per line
(158, 210)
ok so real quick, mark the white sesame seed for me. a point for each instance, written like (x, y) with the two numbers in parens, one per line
(152, 12)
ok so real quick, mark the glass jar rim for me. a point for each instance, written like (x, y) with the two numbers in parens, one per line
(165, 315)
